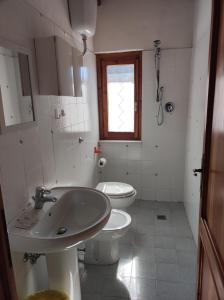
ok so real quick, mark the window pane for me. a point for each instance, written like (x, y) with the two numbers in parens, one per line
(120, 97)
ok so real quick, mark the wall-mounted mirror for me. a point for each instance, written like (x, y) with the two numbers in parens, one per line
(15, 88)
(78, 71)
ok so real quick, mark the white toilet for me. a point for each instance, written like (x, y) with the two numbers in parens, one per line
(104, 247)
(121, 194)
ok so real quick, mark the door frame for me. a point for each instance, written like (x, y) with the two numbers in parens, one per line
(205, 241)
(7, 279)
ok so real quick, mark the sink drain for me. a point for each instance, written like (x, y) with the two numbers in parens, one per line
(61, 230)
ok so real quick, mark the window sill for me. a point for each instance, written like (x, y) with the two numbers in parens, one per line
(121, 141)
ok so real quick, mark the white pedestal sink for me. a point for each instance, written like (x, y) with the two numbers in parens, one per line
(57, 229)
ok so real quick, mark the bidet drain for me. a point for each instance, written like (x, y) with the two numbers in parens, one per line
(61, 230)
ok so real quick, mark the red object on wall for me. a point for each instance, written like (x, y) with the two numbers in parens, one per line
(97, 151)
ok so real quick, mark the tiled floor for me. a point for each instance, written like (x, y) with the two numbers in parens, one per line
(158, 259)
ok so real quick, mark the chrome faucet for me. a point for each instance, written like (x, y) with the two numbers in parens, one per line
(42, 195)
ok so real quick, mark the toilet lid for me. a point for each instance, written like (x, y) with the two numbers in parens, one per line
(115, 188)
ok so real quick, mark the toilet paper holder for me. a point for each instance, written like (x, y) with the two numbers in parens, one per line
(102, 162)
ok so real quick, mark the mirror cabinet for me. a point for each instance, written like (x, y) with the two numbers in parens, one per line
(16, 96)
(59, 67)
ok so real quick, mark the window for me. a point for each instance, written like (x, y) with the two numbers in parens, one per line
(119, 93)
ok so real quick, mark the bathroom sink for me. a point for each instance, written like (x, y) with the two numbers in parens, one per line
(78, 214)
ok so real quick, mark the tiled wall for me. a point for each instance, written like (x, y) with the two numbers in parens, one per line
(155, 166)
(47, 153)
(138, 23)
(197, 113)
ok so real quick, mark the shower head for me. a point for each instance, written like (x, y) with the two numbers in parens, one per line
(157, 43)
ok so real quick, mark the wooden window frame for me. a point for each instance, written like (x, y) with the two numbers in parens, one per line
(103, 60)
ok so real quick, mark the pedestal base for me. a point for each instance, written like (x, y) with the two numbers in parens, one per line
(63, 273)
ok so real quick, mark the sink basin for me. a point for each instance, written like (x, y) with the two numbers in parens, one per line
(78, 214)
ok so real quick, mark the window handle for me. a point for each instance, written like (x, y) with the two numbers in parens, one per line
(136, 106)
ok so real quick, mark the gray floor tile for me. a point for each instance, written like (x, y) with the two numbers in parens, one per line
(143, 268)
(102, 271)
(159, 205)
(113, 298)
(144, 253)
(166, 290)
(168, 272)
(182, 232)
(91, 297)
(126, 251)
(158, 259)
(145, 218)
(188, 258)
(147, 204)
(114, 287)
(188, 274)
(148, 230)
(164, 242)
(132, 210)
(179, 220)
(162, 229)
(174, 291)
(142, 288)
(143, 241)
(186, 291)
(185, 244)
(166, 255)
(124, 268)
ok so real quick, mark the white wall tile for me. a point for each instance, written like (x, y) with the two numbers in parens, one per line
(150, 20)
(48, 153)
(148, 194)
(134, 166)
(146, 167)
(164, 194)
(114, 150)
(196, 111)
(159, 158)
(13, 176)
(134, 180)
(134, 151)
(149, 181)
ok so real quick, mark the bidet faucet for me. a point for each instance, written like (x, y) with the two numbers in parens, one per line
(42, 195)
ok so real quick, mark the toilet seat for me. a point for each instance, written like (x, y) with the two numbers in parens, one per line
(121, 195)
(116, 189)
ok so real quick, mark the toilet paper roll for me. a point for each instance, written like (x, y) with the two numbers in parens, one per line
(102, 162)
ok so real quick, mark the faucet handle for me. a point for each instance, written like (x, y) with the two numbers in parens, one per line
(46, 191)
(41, 190)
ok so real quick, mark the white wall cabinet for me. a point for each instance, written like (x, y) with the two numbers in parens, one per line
(54, 66)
